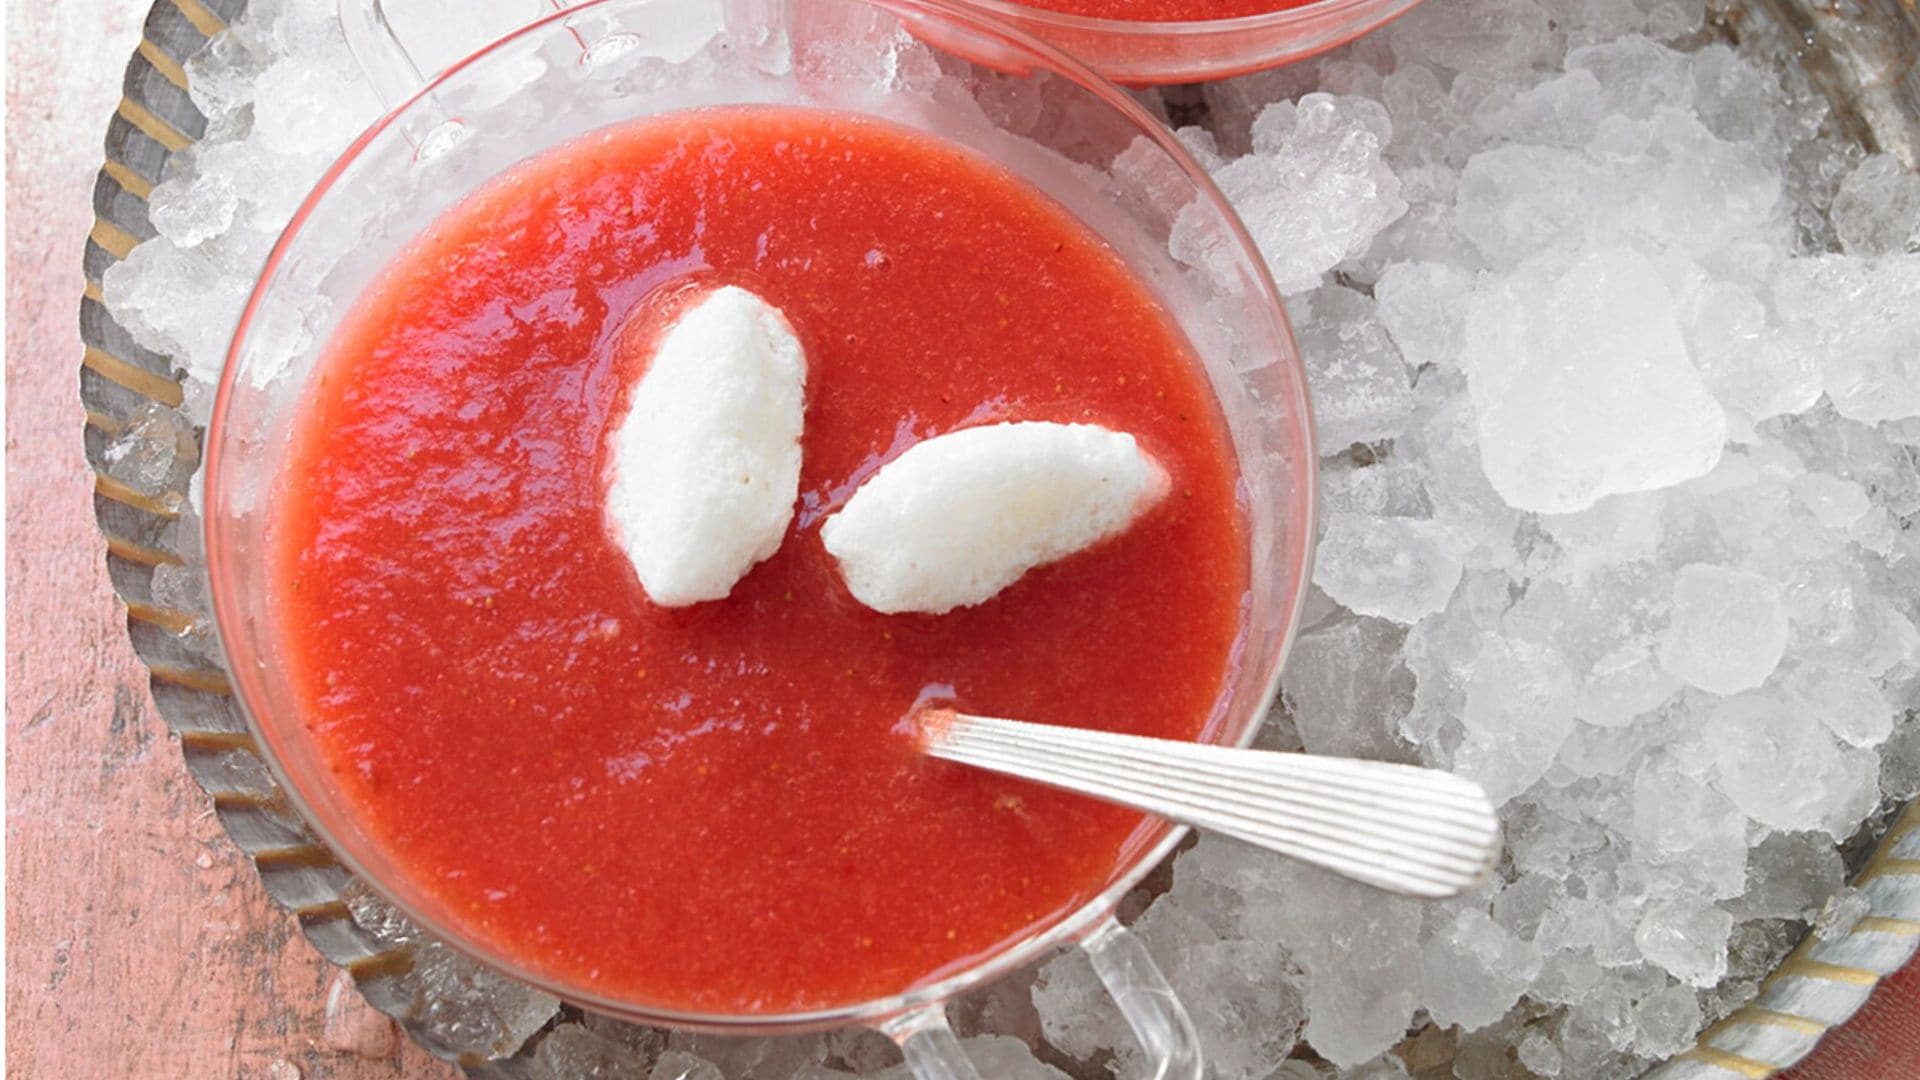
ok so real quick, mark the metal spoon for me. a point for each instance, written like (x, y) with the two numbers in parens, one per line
(1403, 828)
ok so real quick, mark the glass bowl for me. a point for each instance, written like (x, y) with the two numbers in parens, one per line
(946, 70)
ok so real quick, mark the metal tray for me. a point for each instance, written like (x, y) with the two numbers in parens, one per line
(1861, 53)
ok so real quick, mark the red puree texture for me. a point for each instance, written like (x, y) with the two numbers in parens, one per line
(1166, 10)
(713, 808)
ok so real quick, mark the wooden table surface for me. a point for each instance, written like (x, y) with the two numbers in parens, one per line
(140, 942)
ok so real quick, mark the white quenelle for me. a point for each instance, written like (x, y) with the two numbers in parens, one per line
(961, 516)
(705, 465)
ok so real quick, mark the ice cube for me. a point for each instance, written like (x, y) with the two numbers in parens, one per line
(774, 1058)
(1522, 903)
(1314, 192)
(992, 1056)
(154, 451)
(1385, 1067)
(1665, 1022)
(1233, 104)
(1389, 488)
(1077, 1015)
(1636, 75)
(645, 1041)
(1671, 20)
(572, 1052)
(1521, 202)
(1424, 307)
(1623, 686)
(1539, 1055)
(864, 1050)
(1565, 111)
(220, 76)
(1785, 772)
(177, 302)
(1849, 703)
(1734, 96)
(677, 1065)
(1442, 441)
(1729, 628)
(1860, 319)
(1789, 874)
(1840, 622)
(1346, 689)
(1358, 946)
(1517, 200)
(1401, 569)
(1518, 712)
(1582, 388)
(1841, 913)
(311, 106)
(1243, 995)
(1834, 502)
(269, 186)
(1001, 1055)
(458, 1007)
(1751, 367)
(1686, 939)
(1900, 765)
(1361, 390)
(1877, 209)
(1475, 35)
(1681, 821)
(190, 210)
(1419, 104)
(1758, 945)
(183, 588)
(1473, 970)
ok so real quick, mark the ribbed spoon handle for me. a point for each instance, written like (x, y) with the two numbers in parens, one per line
(1410, 830)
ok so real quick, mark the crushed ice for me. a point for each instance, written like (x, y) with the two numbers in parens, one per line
(1617, 355)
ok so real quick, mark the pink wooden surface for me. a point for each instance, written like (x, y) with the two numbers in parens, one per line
(139, 942)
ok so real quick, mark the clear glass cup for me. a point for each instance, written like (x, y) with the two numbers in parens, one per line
(924, 63)
(1141, 53)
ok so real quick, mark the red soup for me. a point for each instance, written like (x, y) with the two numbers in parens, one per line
(712, 808)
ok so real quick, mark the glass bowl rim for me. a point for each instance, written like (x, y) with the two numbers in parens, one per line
(1176, 28)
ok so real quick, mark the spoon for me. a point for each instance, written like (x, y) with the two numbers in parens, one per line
(1421, 832)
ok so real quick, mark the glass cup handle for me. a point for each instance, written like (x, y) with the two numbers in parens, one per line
(931, 1050)
(1148, 1003)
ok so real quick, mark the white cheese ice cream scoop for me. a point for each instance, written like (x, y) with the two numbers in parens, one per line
(705, 465)
(961, 516)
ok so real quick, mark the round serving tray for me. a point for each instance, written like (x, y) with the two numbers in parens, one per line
(1862, 53)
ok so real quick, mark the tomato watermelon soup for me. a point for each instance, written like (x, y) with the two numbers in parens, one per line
(715, 807)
